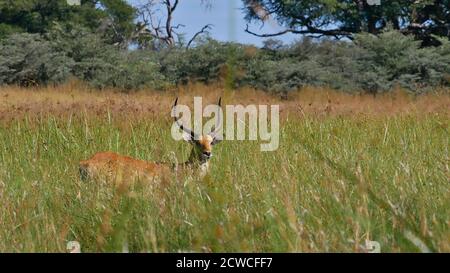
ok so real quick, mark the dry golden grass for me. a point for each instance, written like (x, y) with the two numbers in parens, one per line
(75, 98)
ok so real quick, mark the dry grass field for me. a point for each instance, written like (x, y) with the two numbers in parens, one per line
(349, 168)
(76, 99)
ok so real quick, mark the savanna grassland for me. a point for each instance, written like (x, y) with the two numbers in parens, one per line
(349, 168)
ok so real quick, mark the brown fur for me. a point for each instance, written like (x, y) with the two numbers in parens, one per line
(126, 169)
(118, 168)
(205, 143)
(121, 168)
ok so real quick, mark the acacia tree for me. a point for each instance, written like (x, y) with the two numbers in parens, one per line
(344, 18)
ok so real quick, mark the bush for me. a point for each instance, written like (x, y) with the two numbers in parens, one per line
(32, 59)
(370, 63)
(277, 76)
(104, 65)
(303, 63)
(28, 59)
(203, 63)
(394, 59)
(137, 70)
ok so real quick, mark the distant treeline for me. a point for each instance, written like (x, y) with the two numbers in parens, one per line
(369, 63)
(117, 43)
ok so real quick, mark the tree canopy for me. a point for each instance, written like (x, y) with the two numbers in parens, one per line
(344, 18)
(112, 17)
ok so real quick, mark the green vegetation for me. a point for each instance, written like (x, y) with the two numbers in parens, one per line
(333, 183)
(112, 19)
(372, 63)
(424, 19)
(110, 43)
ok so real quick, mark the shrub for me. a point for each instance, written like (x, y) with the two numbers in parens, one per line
(395, 59)
(303, 63)
(28, 59)
(203, 63)
(33, 59)
(136, 70)
(370, 63)
(104, 65)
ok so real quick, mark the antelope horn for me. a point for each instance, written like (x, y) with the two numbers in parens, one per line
(193, 135)
(218, 124)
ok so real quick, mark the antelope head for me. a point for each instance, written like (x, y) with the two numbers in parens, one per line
(202, 144)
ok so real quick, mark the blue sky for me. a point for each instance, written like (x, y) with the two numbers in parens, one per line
(227, 18)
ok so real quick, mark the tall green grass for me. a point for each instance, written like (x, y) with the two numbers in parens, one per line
(333, 184)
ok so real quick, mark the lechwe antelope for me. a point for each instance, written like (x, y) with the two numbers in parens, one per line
(127, 169)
